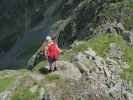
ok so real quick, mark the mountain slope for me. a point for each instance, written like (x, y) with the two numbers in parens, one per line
(93, 75)
(71, 19)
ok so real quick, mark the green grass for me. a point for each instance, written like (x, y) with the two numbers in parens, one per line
(100, 44)
(5, 83)
(66, 55)
(52, 77)
(40, 65)
(24, 94)
(128, 73)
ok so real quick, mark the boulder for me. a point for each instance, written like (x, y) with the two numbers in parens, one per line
(85, 61)
(123, 64)
(115, 51)
(34, 89)
(90, 53)
(119, 91)
(119, 28)
(128, 35)
(80, 57)
(99, 61)
(43, 94)
(109, 28)
(82, 67)
(5, 95)
(67, 70)
(129, 96)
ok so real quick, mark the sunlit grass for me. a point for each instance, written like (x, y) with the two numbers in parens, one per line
(5, 83)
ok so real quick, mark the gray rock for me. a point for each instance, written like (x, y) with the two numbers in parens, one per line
(46, 97)
(42, 94)
(115, 51)
(128, 35)
(99, 61)
(67, 70)
(123, 65)
(82, 67)
(37, 77)
(34, 89)
(129, 96)
(5, 95)
(107, 72)
(109, 28)
(79, 57)
(119, 28)
(90, 53)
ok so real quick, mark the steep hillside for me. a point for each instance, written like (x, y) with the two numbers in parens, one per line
(24, 24)
(91, 70)
(96, 38)
(27, 41)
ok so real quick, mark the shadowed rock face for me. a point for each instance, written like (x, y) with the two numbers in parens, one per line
(35, 18)
(23, 24)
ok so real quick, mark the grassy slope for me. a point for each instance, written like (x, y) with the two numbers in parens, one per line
(5, 83)
(24, 94)
(101, 44)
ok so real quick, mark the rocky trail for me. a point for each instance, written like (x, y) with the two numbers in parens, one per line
(86, 77)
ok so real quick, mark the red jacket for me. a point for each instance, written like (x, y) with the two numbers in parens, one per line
(53, 50)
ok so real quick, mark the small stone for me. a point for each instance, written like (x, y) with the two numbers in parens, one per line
(42, 92)
(34, 89)
(115, 51)
(90, 53)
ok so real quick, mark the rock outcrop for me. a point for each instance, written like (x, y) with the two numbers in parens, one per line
(87, 76)
(100, 79)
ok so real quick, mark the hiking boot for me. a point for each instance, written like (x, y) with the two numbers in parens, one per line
(50, 70)
(55, 68)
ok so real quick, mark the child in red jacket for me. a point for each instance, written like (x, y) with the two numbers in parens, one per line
(52, 53)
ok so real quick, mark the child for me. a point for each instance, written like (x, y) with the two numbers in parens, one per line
(52, 53)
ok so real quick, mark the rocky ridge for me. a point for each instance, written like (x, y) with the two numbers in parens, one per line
(87, 76)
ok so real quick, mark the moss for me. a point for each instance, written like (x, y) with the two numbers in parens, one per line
(67, 54)
(52, 77)
(100, 44)
(5, 83)
(128, 73)
(24, 94)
